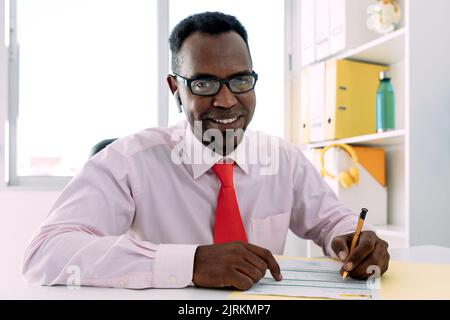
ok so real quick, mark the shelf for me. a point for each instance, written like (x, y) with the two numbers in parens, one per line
(388, 49)
(375, 140)
(391, 231)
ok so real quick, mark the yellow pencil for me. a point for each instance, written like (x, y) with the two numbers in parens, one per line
(362, 217)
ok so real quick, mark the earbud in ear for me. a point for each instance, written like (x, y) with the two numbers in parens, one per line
(178, 101)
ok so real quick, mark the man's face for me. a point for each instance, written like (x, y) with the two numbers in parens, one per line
(215, 56)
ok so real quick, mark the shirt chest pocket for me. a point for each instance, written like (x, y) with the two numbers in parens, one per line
(270, 232)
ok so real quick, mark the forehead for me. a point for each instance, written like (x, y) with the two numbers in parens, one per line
(220, 55)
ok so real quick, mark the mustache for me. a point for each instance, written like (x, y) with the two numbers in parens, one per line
(224, 114)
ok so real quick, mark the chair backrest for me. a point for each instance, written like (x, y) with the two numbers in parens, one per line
(100, 146)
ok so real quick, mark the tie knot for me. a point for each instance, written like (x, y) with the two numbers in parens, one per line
(224, 171)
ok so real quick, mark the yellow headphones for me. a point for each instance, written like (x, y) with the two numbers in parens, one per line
(346, 178)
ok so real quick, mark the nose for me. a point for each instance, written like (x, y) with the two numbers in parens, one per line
(224, 98)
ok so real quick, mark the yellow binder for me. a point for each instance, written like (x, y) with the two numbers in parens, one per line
(304, 106)
(350, 98)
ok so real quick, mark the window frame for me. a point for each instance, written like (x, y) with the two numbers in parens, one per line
(9, 92)
(3, 93)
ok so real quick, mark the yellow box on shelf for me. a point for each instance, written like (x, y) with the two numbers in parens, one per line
(350, 95)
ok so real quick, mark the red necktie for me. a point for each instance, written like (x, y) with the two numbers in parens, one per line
(228, 226)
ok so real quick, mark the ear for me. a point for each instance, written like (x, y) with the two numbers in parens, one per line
(173, 86)
(172, 82)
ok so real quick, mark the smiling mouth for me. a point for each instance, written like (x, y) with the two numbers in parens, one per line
(225, 121)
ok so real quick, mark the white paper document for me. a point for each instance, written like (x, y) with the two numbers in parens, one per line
(315, 279)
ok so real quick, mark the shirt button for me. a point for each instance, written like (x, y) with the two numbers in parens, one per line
(172, 279)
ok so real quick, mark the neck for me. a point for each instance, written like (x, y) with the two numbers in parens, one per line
(223, 144)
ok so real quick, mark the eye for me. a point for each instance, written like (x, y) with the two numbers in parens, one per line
(204, 86)
(201, 84)
(242, 83)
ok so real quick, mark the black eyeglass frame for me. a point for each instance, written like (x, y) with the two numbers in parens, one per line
(187, 82)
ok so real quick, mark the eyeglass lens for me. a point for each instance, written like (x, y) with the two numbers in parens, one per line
(238, 84)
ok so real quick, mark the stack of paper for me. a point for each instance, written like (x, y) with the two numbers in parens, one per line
(315, 279)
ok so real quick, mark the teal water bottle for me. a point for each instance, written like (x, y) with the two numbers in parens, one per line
(385, 104)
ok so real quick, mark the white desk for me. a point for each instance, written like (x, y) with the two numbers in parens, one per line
(16, 288)
(422, 254)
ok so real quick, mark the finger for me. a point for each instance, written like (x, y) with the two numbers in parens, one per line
(241, 281)
(364, 249)
(268, 258)
(250, 270)
(382, 269)
(340, 246)
(256, 261)
(386, 265)
(366, 270)
(378, 258)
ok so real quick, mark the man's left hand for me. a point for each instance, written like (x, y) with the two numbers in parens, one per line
(370, 255)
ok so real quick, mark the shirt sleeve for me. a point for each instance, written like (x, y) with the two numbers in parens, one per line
(84, 239)
(317, 213)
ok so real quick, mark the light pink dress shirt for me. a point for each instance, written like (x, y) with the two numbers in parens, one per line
(135, 214)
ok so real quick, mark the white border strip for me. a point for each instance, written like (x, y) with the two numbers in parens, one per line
(3, 93)
(163, 62)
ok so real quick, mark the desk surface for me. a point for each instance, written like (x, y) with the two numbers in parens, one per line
(16, 288)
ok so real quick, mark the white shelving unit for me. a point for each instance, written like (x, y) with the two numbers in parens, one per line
(388, 49)
(420, 69)
(374, 140)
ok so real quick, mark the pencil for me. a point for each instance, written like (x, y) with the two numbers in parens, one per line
(362, 217)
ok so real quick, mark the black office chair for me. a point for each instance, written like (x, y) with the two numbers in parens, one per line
(100, 146)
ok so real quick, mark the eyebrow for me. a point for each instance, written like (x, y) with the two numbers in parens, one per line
(210, 76)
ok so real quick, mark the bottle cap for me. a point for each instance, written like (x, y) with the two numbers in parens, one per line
(385, 75)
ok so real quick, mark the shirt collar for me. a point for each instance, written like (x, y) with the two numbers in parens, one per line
(202, 158)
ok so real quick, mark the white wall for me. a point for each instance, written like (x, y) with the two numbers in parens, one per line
(21, 212)
(430, 124)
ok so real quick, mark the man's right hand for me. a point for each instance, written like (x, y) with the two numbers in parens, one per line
(233, 264)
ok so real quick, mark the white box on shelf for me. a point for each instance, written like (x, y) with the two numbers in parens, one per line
(308, 32)
(316, 101)
(330, 26)
(337, 25)
(348, 27)
(322, 23)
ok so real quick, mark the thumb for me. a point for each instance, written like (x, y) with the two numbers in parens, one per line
(340, 247)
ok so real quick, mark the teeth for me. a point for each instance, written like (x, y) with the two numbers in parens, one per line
(225, 121)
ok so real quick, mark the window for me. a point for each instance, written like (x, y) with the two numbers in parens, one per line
(264, 21)
(87, 73)
(81, 71)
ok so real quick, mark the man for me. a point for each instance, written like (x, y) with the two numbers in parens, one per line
(172, 207)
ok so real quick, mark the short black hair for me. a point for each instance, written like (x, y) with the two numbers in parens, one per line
(207, 22)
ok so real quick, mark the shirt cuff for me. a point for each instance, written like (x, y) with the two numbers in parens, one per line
(174, 265)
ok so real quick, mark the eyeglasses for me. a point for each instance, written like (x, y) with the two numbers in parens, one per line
(210, 87)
